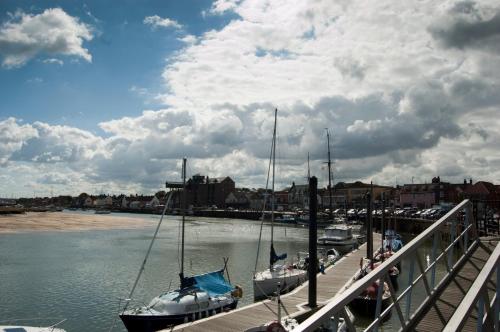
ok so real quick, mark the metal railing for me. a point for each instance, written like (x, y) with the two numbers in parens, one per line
(487, 311)
(454, 238)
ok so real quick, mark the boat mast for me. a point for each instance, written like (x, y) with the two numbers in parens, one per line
(272, 185)
(329, 174)
(308, 169)
(181, 274)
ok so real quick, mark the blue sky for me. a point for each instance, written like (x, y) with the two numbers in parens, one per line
(126, 54)
(102, 94)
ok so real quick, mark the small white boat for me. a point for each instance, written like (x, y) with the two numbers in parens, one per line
(339, 237)
(265, 283)
(17, 328)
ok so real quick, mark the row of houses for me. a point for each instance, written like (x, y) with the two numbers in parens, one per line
(221, 192)
(134, 202)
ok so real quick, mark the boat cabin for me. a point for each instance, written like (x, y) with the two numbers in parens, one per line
(342, 232)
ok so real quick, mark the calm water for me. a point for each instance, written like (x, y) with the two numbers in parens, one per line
(79, 276)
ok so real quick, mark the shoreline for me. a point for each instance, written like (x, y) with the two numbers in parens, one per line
(65, 222)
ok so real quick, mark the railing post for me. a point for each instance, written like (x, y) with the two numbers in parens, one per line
(497, 302)
(467, 223)
(434, 253)
(480, 313)
(453, 230)
(378, 308)
(410, 282)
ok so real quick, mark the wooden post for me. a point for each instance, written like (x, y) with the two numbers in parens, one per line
(382, 225)
(313, 259)
(369, 227)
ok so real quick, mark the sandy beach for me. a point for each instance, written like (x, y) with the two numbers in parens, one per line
(59, 221)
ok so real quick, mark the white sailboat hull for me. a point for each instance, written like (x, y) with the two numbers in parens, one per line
(266, 283)
(16, 328)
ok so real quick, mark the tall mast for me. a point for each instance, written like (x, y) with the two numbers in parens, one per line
(183, 217)
(308, 169)
(274, 169)
(329, 173)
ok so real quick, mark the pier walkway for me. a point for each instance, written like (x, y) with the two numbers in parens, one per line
(295, 302)
(454, 286)
(448, 300)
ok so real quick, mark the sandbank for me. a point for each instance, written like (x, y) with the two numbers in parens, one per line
(61, 221)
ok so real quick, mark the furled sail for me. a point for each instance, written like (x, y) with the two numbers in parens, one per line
(274, 257)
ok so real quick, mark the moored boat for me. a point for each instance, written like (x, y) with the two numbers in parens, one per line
(339, 237)
(283, 277)
(198, 296)
(17, 328)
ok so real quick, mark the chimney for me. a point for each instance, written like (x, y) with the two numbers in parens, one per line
(465, 181)
(470, 180)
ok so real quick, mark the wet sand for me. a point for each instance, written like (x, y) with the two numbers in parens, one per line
(60, 221)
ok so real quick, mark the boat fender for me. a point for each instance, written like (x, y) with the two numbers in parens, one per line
(275, 327)
(237, 291)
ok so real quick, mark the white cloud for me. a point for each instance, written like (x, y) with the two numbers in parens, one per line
(189, 39)
(156, 21)
(221, 6)
(12, 137)
(400, 101)
(54, 61)
(24, 36)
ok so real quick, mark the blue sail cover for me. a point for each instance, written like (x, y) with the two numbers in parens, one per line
(213, 283)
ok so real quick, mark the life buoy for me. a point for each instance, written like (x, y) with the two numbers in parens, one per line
(237, 291)
(275, 327)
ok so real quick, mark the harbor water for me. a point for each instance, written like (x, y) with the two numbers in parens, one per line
(81, 276)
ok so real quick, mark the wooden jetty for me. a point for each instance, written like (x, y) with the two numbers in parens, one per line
(253, 315)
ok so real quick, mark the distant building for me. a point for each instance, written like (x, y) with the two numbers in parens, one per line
(202, 191)
(425, 195)
(353, 195)
(238, 199)
(106, 201)
(298, 196)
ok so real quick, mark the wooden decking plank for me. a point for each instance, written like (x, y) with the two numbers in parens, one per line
(451, 296)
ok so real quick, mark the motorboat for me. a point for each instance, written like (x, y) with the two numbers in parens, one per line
(339, 237)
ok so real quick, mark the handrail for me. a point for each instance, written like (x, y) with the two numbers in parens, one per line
(459, 318)
(380, 272)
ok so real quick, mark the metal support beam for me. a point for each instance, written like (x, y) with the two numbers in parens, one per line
(313, 237)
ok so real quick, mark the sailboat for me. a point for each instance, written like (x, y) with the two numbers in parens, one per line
(266, 283)
(198, 296)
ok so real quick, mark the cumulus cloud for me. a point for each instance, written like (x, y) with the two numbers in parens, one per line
(13, 135)
(54, 61)
(24, 36)
(398, 104)
(156, 21)
(468, 25)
